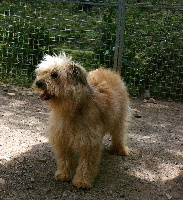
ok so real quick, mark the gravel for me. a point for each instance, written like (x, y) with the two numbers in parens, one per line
(153, 170)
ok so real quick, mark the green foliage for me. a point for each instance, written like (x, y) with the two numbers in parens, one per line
(29, 31)
(152, 57)
(153, 49)
(106, 41)
(24, 41)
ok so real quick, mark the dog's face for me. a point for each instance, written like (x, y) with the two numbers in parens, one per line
(57, 77)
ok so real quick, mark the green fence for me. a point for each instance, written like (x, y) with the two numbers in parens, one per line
(152, 56)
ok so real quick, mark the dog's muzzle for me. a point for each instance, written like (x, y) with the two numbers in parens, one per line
(42, 85)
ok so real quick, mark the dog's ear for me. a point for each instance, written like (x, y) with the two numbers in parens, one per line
(77, 75)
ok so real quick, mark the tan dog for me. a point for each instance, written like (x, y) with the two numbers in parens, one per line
(84, 107)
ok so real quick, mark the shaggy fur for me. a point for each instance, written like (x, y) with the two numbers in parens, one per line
(84, 107)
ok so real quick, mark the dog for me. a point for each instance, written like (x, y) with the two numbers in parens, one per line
(84, 107)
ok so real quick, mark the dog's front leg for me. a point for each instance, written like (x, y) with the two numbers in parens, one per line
(65, 164)
(65, 160)
(88, 165)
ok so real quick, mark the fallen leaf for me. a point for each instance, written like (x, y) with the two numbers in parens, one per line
(2, 181)
(168, 196)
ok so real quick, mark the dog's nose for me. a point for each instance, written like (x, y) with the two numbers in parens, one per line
(40, 84)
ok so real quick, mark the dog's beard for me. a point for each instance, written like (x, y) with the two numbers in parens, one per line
(45, 96)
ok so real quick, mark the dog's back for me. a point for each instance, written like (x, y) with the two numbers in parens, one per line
(100, 75)
(111, 95)
(110, 84)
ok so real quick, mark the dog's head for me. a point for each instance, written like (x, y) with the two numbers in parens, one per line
(58, 77)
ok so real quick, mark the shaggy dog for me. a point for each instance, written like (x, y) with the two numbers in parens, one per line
(84, 107)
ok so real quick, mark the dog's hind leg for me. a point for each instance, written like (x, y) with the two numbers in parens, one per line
(119, 140)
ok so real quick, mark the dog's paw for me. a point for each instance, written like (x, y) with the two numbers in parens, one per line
(122, 151)
(59, 175)
(82, 183)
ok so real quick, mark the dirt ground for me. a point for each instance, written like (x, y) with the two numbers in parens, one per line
(153, 170)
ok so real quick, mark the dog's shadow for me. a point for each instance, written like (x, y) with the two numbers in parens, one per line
(30, 176)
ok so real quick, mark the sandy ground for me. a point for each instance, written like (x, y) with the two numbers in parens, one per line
(153, 170)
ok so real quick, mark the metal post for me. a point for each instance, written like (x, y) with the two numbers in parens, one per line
(120, 30)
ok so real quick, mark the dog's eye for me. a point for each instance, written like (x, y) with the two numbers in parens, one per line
(54, 75)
